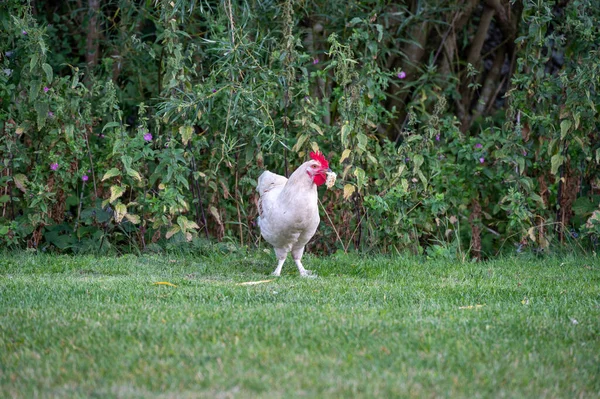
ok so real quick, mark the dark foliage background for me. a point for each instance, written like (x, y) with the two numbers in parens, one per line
(457, 128)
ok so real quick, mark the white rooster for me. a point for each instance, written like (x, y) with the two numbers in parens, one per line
(288, 208)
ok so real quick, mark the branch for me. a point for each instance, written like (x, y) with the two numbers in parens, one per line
(479, 39)
(92, 46)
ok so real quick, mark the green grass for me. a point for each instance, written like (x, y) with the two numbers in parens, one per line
(366, 327)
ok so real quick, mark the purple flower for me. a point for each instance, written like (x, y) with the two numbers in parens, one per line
(524, 153)
(214, 90)
(24, 32)
(89, 170)
(437, 138)
(85, 178)
(315, 61)
(54, 166)
(50, 114)
(481, 160)
(148, 136)
(46, 89)
(102, 136)
(402, 75)
(478, 145)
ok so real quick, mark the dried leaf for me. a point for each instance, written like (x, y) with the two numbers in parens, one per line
(186, 133)
(215, 213)
(135, 219)
(116, 192)
(164, 283)
(174, 230)
(345, 155)
(531, 233)
(348, 191)
(120, 212)
(111, 173)
(255, 282)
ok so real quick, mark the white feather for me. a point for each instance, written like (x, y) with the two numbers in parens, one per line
(289, 214)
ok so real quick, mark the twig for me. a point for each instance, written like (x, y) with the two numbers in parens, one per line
(87, 143)
(443, 42)
(197, 193)
(356, 229)
(334, 229)
(79, 208)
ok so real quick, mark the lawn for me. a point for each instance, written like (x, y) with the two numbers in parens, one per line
(366, 327)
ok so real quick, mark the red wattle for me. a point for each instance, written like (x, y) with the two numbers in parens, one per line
(319, 179)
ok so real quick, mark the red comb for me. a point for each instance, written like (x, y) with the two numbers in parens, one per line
(318, 156)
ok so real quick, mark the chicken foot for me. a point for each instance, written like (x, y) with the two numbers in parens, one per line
(301, 269)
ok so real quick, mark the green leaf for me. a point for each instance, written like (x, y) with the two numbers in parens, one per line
(185, 224)
(48, 69)
(134, 173)
(404, 184)
(556, 161)
(111, 173)
(552, 145)
(584, 205)
(34, 90)
(69, 129)
(418, 161)
(42, 114)
(362, 141)
(344, 134)
(127, 160)
(360, 177)
(423, 179)
(21, 181)
(521, 162)
(379, 32)
(4, 199)
(111, 124)
(316, 127)
(300, 142)
(75, 81)
(4, 230)
(33, 61)
(565, 125)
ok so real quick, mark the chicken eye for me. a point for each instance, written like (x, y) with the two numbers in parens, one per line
(314, 166)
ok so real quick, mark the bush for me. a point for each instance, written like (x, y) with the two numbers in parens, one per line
(135, 125)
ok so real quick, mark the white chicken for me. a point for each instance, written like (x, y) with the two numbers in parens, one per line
(288, 209)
